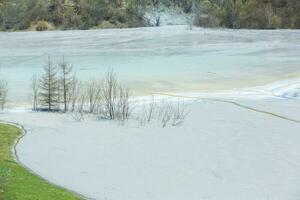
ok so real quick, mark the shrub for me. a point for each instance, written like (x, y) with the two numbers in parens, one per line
(110, 25)
(275, 21)
(43, 26)
(106, 25)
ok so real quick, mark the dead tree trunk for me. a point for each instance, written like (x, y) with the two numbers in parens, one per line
(66, 82)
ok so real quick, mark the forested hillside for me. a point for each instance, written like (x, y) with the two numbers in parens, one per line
(86, 14)
(258, 14)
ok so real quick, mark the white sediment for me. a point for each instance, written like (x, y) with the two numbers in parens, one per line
(221, 151)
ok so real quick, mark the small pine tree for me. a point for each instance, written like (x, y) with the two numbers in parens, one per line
(49, 86)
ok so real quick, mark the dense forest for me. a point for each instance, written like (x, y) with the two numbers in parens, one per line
(85, 14)
(256, 14)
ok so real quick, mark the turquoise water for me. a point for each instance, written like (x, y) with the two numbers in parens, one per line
(165, 59)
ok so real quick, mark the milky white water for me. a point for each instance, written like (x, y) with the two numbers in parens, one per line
(165, 59)
(220, 152)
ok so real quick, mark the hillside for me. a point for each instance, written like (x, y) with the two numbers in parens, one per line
(85, 14)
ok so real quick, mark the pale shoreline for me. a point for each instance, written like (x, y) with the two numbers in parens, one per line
(283, 89)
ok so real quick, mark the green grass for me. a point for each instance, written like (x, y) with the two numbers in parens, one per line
(16, 183)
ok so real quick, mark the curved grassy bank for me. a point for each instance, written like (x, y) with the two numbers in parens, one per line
(16, 183)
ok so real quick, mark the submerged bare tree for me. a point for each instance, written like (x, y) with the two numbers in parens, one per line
(49, 86)
(3, 93)
(179, 113)
(172, 113)
(93, 95)
(74, 92)
(109, 94)
(115, 98)
(67, 78)
(123, 104)
(35, 91)
(168, 113)
(151, 110)
(79, 108)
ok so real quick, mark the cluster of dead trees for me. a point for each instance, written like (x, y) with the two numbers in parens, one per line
(166, 113)
(104, 98)
(58, 90)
